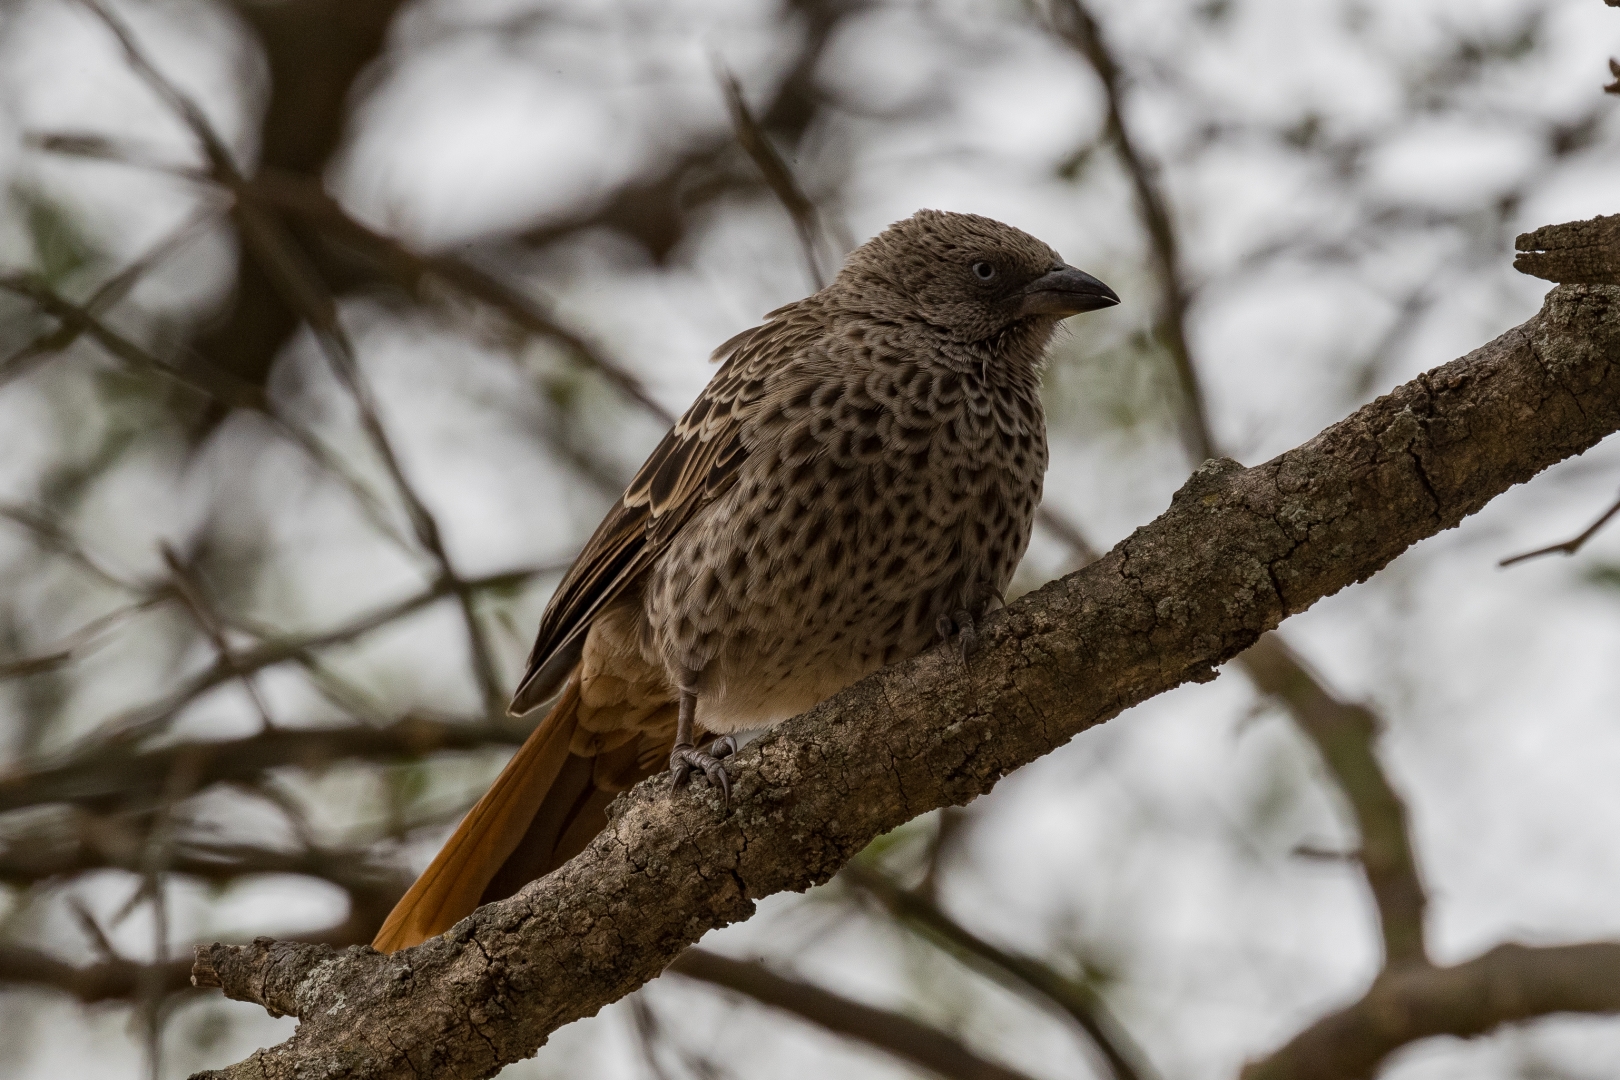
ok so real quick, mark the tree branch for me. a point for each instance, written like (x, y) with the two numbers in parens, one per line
(110, 980)
(1405, 1004)
(1023, 974)
(1344, 734)
(1237, 551)
(892, 1032)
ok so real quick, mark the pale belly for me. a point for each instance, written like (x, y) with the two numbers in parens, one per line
(772, 602)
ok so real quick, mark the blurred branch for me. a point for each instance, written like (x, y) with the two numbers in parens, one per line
(191, 595)
(778, 177)
(70, 323)
(219, 158)
(51, 536)
(1018, 972)
(303, 290)
(76, 320)
(110, 980)
(1573, 544)
(1075, 25)
(106, 843)
(98, 147)
(141, 721)
(1508, 984)
(391, 259)
(1344, 734)
(892, 1032)
(67, 649)
(111, 774)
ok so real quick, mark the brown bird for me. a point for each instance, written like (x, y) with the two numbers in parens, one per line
(858, 480)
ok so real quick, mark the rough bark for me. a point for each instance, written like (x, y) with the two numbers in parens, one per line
(1238, 551)
(1576, 252)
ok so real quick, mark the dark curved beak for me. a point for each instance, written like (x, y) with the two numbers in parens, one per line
(1066, 291)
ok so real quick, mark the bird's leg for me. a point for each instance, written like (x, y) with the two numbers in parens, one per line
(685, 756)
(963, 624)
(964, 628)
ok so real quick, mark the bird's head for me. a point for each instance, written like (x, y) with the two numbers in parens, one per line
(971, 277)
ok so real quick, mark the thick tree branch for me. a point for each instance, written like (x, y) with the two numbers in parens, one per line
(1405, 1004)
(1237, 551)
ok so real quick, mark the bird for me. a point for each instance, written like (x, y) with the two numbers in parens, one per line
(855, 484)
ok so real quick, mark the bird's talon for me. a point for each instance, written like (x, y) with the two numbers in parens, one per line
(962, 627)
(685, 758)
(724, 746)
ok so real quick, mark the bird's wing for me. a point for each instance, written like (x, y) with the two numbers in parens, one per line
(694, 465)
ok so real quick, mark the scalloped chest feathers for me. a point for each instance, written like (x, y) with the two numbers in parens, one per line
(878, 494)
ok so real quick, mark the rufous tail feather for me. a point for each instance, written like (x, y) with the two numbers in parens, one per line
(455, 882)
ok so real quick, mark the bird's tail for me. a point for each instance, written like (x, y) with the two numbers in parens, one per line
(543, 809)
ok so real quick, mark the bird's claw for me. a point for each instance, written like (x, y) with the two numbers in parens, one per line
(962, 627)
(686, 757)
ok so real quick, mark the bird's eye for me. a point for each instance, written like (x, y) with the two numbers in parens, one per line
(983, 271)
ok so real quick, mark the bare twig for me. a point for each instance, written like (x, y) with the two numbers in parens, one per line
(78, 319)
(109, 293)
(1023, 974)
(1573, 544)
(778, 176)
(892, 1032)
(191, 595)
(1075, 25)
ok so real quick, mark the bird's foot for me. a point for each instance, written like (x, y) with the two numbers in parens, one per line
(962, 627)
(686, 757)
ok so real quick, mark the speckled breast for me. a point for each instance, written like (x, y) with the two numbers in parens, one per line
(877, 497)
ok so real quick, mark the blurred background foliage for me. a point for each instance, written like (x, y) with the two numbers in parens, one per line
(329, 329)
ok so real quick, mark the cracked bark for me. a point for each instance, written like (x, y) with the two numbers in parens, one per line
(1237, 551)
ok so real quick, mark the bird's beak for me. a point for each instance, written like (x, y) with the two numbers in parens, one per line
(1066, 291)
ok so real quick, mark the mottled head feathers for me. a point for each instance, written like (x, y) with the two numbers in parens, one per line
(968, 276)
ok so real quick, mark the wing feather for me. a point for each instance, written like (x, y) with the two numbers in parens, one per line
(695, 464)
